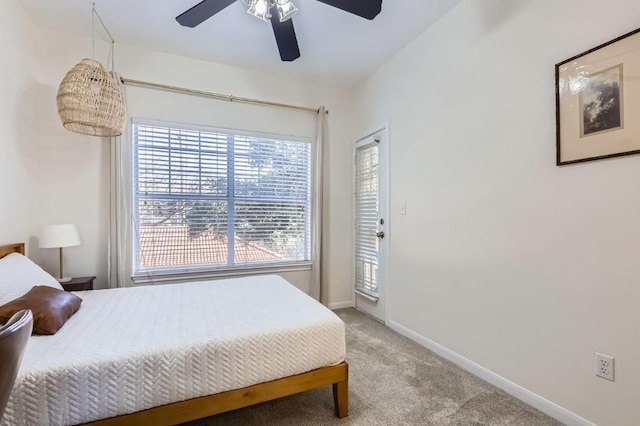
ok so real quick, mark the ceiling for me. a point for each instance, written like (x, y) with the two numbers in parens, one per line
(337, 47)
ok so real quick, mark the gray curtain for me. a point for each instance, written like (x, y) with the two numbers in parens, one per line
(117, 234)
(318, 290)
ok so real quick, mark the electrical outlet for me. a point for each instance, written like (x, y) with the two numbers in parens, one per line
(604, 366)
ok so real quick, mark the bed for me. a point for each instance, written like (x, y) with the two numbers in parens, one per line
(174, 353)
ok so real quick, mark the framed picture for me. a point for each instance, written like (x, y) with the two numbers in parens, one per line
(598, 102)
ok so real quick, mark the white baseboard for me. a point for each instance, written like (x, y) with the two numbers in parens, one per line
(342, 305)
(517, 391)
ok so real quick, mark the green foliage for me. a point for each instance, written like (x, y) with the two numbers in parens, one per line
(206, 216)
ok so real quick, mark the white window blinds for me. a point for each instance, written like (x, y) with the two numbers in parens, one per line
(218, 199)
(366, 219)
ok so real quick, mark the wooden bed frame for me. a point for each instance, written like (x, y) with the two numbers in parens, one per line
(197, 408)
(11, 248)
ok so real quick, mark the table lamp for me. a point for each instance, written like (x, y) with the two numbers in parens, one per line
(59, 236)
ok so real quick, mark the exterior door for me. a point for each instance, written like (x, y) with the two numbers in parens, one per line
(370, 224)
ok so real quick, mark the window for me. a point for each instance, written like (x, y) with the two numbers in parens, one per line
(216, 199)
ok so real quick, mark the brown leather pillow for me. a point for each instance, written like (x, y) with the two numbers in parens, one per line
(50, 306)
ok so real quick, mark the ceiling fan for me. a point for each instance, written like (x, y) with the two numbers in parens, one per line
(280, 21)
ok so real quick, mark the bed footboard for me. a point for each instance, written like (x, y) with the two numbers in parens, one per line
(197, 408)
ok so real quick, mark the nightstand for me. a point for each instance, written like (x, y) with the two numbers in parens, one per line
(79, 284)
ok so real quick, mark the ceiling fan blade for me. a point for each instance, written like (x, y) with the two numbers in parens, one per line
(286, 38)
(368, 9)
(201, 12)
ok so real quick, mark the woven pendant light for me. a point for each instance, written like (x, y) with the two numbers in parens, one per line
(90, 101)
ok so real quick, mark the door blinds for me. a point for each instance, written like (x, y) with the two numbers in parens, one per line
(366, 219)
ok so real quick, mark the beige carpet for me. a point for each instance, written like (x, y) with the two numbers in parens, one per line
(393, 381)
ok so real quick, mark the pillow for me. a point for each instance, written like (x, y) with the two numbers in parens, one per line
(50, 307)
(18, 275)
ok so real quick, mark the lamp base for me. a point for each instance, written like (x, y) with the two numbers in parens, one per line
(64, 279)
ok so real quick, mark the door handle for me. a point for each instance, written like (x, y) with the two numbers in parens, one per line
(380, 234)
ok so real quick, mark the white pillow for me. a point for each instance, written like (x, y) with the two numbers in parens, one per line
(18, 275)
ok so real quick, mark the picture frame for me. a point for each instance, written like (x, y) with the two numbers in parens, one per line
(598, 102)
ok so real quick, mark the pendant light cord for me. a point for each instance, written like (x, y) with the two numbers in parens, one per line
(95, 14)
(93, 31)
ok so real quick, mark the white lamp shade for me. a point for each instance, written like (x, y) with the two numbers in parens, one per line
(59, 236)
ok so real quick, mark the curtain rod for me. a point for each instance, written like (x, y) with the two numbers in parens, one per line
(213, 95)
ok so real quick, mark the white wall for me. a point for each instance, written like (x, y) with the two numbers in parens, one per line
(75, 169)
(518, 265)
(18, 127)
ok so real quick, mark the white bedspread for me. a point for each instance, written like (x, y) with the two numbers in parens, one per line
(130, 349)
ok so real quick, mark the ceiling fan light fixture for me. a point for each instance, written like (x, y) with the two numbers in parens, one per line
(286, 9)
(260, 9)
(282, 24)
